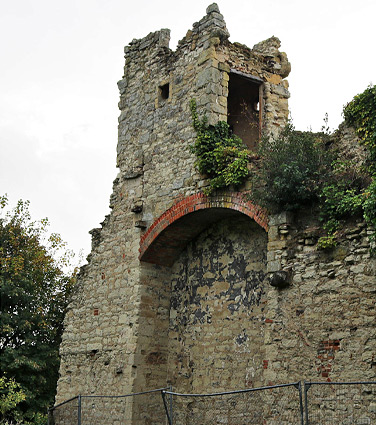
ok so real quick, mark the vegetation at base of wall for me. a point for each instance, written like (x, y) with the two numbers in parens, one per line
(34, 292)
(221, 155)
(291, 170)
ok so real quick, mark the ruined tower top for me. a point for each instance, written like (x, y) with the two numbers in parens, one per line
(229, 81)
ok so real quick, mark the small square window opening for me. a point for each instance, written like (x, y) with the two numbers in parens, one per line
(164, 91)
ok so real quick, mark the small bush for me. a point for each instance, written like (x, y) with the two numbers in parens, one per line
(327, 242)
(292, 170)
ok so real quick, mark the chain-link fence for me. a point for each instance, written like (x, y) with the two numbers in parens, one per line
(325, 403)
(345, 403)
(272, 405)
(141, 408)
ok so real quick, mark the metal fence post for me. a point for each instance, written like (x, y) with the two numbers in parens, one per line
(299, 388)
(307, 386)
(163, 393)
(171, 411)
(79, 410)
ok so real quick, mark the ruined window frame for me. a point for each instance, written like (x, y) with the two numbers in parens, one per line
(255, 81)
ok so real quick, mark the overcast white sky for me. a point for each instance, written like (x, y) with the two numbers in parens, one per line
(61, 60)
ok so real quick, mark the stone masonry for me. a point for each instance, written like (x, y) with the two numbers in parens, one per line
(209, 293)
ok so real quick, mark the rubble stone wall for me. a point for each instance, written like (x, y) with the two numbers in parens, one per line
(217, 309)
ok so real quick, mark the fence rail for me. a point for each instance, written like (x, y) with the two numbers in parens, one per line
(324, 403)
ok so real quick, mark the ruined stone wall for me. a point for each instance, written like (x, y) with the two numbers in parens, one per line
(216, 314)
(322, 326)
(211, 320)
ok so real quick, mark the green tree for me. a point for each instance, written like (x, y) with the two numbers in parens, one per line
(34, 293)
(10, 396)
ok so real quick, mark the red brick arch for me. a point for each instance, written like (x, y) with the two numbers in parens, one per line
(171, 232)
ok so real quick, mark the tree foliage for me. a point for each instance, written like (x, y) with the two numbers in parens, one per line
(34, 294)
(11, 395)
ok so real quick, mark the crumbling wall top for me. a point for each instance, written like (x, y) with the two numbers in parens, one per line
(159, 38)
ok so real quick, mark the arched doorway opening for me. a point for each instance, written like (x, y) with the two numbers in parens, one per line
(203, 264)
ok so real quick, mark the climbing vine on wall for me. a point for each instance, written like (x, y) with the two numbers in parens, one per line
(221, 155)
(360, 113)
(352, 190)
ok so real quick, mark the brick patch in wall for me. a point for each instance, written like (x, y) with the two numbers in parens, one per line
(326, 354)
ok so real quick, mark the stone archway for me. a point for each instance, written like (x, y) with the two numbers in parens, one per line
(167, 237)
(187, 309)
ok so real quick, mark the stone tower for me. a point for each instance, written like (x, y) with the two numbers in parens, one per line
(175, 289)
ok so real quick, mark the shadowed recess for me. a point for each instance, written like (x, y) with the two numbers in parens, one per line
(172, 231)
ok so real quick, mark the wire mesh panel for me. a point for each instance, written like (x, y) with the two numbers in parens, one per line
(342, 403)
(66, 413)
(106, 410)
(277, 405)
(144, 408)
(148, 409)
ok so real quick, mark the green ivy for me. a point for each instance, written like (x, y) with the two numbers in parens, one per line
(221, 155)
(360, 113)
(342, 196)
(327, 242)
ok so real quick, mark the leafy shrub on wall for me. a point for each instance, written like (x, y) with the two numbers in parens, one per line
(291, 171)
(296, 168)
(352, 191)
(360, 114)
(221, 155)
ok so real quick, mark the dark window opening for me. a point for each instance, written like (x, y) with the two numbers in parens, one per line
(244, 109)
(164, 91)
